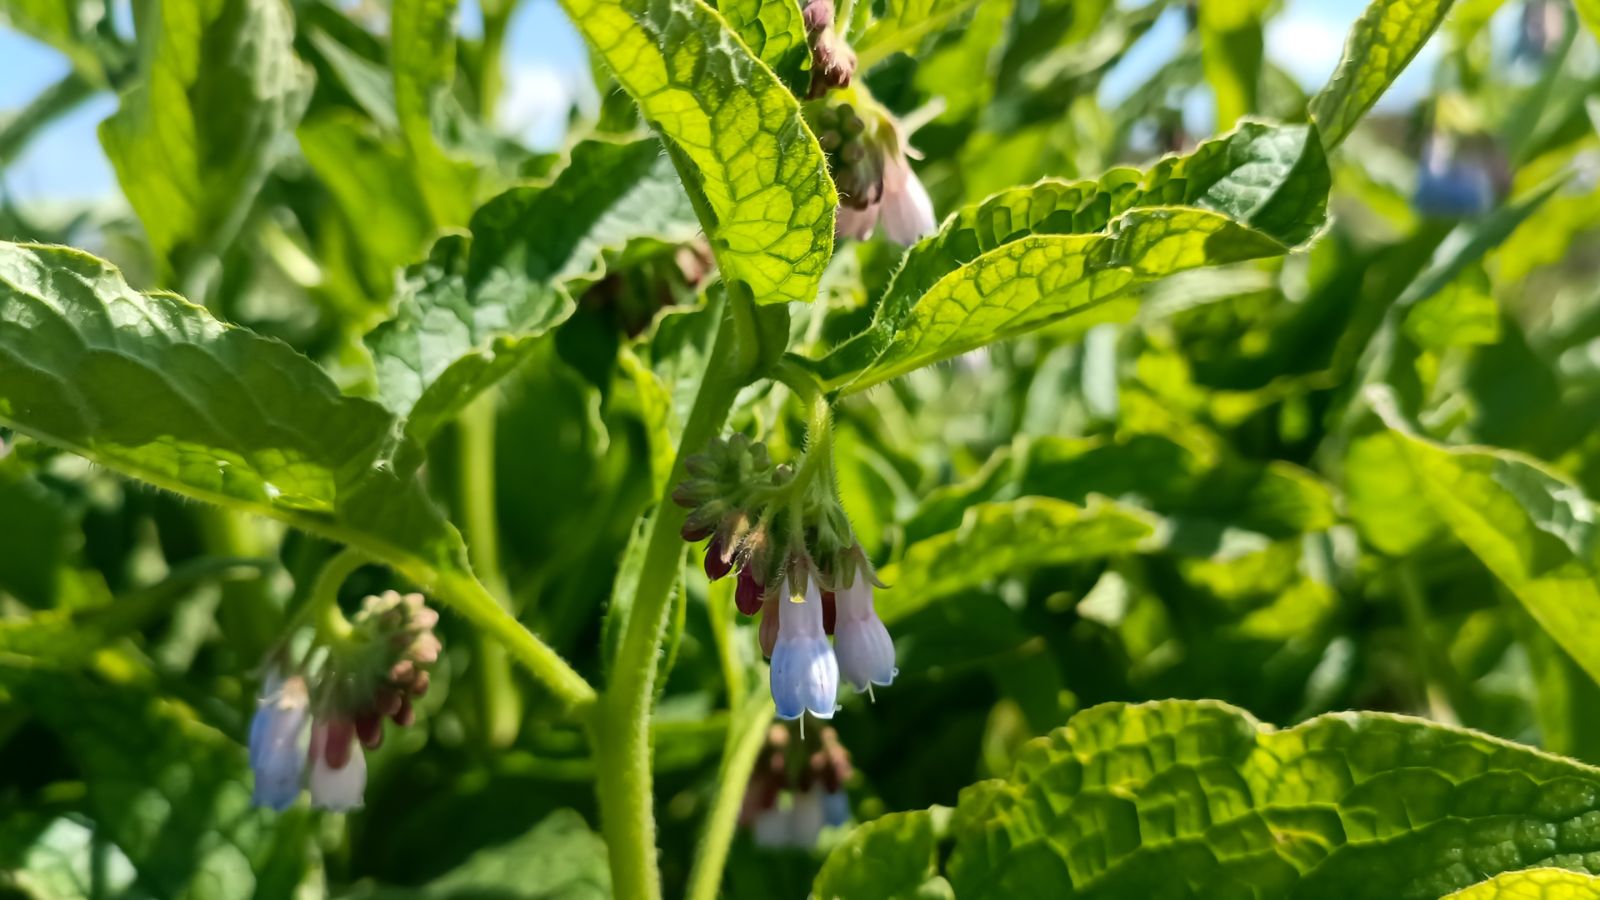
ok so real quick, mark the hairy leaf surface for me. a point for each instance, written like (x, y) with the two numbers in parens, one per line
(775, 32)
(1534, 884)
(745, 155)
(1385, 39)
(1032, 256)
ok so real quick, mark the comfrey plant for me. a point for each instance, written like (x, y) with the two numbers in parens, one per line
(355, 675)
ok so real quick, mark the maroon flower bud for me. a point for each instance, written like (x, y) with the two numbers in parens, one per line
(369, 729)
(830, 611)
(718, 561)
(747, 596)
(695, 532)
(336, 742)
(818, 14)
(405, 715)
(769, 625)
(387, 701)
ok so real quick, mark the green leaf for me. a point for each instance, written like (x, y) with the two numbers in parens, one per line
(193, 140)
(168, 792)
(775, 32)
(66, 25)
(422, 56)
(893, 857)
(1184, 799)
(1383, 42)
(1589, 12)
(1381, 492)
(1462, 314)
(1032, 256)
(558, 859)
(1534, 530)
(904, 24)
(36, 531)
(1000, 539)
(753, 168)
(1534, 884)
(153, 387)
(470, 313)
(370, 179)
(1231, 51)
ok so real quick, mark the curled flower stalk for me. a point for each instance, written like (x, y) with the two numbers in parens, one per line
(357, 674)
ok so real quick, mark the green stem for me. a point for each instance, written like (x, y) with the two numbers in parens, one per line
(247, 614)
(1431, 661)
(323, 606)
(495, 25)
(745, 739)
(619, 725)
(501, 707)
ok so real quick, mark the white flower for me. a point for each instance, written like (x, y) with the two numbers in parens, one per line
(805, 675)
(806, 818)
(275, 753)
(336, 789)
(866, 652)
(906, 210)
(856, 223)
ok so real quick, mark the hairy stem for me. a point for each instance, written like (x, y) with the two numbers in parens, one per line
(620, 724)
(501, 708)
(746, 734)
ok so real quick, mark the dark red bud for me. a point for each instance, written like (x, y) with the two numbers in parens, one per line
(717, 564)
(769, 625)
(369, 729)
(830, 611)
(405, 715)
(336, 743)
(747, 596)
(694, 532)
(387, 701)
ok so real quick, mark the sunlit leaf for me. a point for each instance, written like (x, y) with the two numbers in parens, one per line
(1032, 256)
(469, 314)
(890, 858)
(422, 57)
(776, 34)
(755, 172)
(1193, 799)
(218, 89)
(1382, 43)
(1534, 884)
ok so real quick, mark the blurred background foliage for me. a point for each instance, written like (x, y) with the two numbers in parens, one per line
(1296, 564)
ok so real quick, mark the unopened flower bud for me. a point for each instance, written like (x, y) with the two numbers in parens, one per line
(719, 560)
(818, 14)
(748, 593)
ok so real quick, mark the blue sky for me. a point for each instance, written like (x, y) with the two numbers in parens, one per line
(547, 69)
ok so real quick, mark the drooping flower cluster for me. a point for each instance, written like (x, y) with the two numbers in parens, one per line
(796, 789)
(798, 564)
(870, 160)
(1454, 180)
(372, 673)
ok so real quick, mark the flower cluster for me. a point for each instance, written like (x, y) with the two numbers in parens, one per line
(869, 157)
(797, 788)
(1456, 179)
(371, 672)
(798, 564)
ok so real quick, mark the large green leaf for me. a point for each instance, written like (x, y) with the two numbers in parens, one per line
(422, 56)
(754, 169)
(469, 314)
(1008, 538)
(37, 532)
(894, 857)
(66, 25)
(1533, 529)
(1382, 43)
(1032, 256)
(169, 793)
(1183, 799)
(1589, 11)
(218, 88)
(1534, 884)
(558, 859)
(152, 386)
(775, 32)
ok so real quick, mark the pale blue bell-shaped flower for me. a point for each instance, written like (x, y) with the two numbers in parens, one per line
(805, 675)
(275, 753)
(835, 808)
(865, 650)
(1451, 184)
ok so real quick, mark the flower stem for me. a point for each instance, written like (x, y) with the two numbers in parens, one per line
(500, 706)
(620, 723)
(323, 606)
(746, 734)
